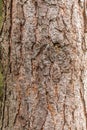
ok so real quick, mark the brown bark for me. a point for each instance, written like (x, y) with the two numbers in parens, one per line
(44, 63)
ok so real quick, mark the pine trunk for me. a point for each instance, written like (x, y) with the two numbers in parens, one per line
(44, 56)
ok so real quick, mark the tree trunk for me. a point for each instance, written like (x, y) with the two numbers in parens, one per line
(44, 56)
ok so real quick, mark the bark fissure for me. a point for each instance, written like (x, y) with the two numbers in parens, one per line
(17, 114)
(84, 107)
(85, 16)
(3, 107)
(10, 33)
(64, 109)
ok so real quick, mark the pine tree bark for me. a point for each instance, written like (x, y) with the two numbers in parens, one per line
(45, 65)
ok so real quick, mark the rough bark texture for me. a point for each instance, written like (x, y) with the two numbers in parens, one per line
(45, 65)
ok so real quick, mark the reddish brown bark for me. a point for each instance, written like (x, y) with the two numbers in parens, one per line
(45, 65)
